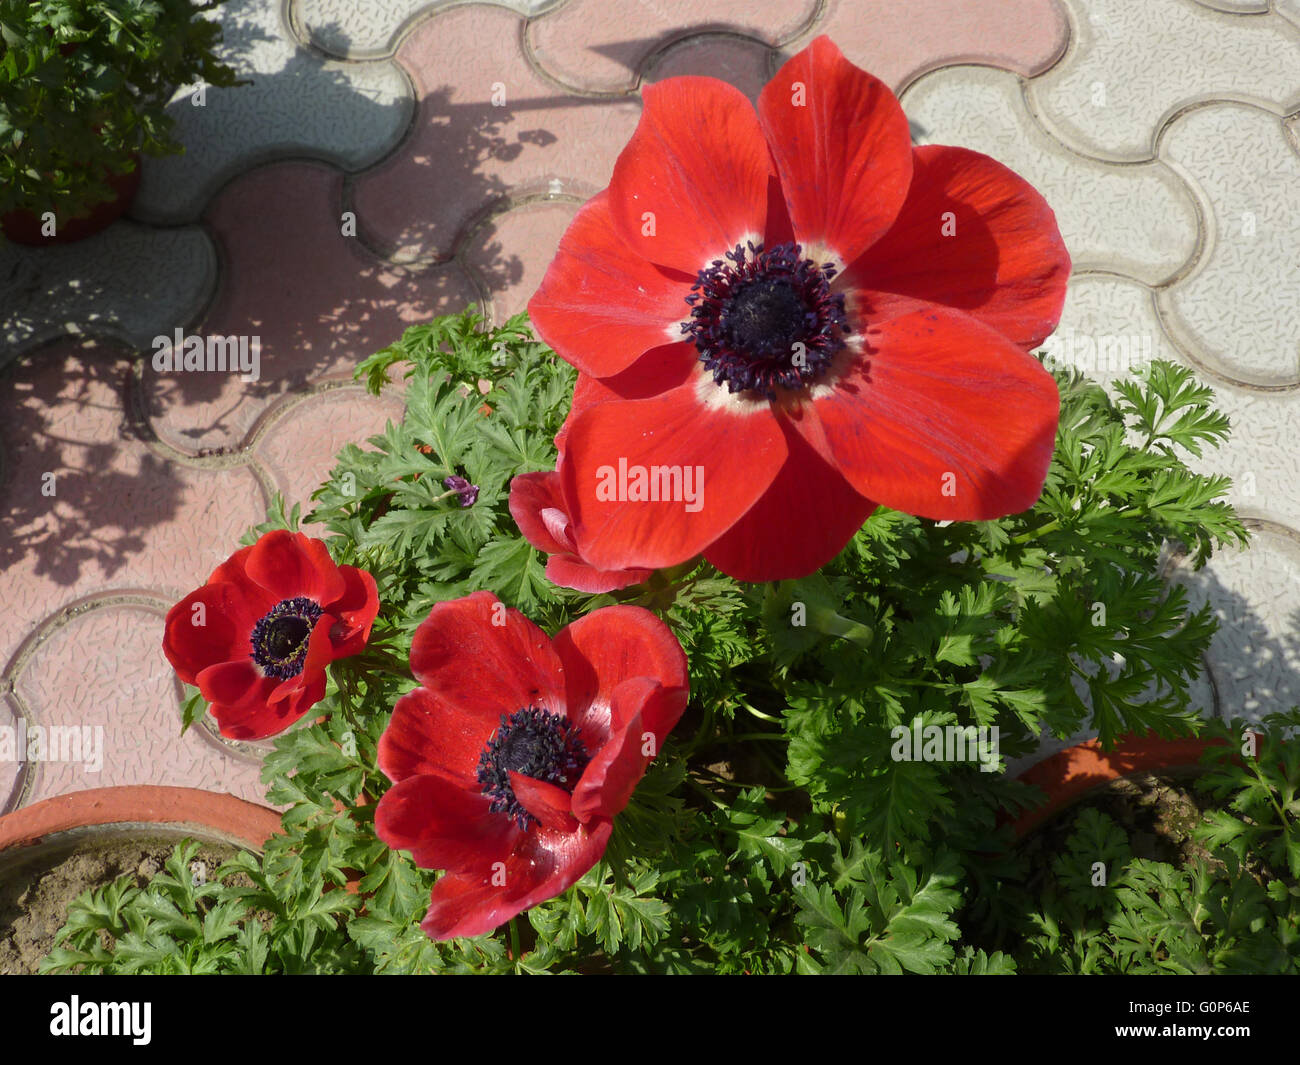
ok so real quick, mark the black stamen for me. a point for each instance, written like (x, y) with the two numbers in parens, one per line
(280, 638)
(538, 744)
(764, 320)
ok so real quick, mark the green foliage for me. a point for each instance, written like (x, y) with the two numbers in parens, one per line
(84, 85)
(780, 830)
(1233, 909)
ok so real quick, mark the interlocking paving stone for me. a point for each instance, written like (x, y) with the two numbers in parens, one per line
(532, 233)
(1240, 309)
(1109, 324)
(899, 42)
(742, 63)
(299, 446)
(467, 153)
(1135, 220)
(361, 28)
(121, 516)
(130, 281)
(601, 45)
(297, 104)
(1132, 65)
(105, 670)
(318, 300)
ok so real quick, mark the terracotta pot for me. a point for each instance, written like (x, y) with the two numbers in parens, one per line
(1069, 775)
(180, 811)
(24, 227)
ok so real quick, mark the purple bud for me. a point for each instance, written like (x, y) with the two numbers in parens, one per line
(468, 492)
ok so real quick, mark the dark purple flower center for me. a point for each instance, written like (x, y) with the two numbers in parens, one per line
(280, 638)
(763, 320)
(538, 744)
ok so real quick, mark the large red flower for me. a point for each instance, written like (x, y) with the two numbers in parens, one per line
(807, 314)
(256, 638)
(511, 760)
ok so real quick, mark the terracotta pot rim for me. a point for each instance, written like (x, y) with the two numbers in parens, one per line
(1069, 775)
(246, 822)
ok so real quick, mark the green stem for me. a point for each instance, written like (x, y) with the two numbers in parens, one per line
(514, 939)
(1034, 534)
(756, 736)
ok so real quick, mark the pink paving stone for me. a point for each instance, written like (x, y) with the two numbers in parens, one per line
(898, 42)
(465, 154)
(600, 45)
(513, 250)
(743, 64)
(300, 446)
(121, 517)
(319, 301)
(105, 669)
(10, 762)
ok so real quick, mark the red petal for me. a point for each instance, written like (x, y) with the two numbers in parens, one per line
(601, 304)
(944, 419)
(608, 647)
(537, 505)
(443, 825)
(234, 571)
(842, 147)
(569, 571)
(289, 564)
(551, 805)
(972, 235)
(657, 371)
(531, 496)
(696, 170)
(428, 736)
(227, 626)
(485, 668)
(240, 695)
(544, 864)
(234, 682)
(731, 452)
(356, 610)
(806, 518)
(643, 713)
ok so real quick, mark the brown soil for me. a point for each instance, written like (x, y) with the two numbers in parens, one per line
(35, 892)
(1157, 811)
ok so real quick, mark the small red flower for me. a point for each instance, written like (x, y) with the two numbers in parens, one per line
(537, 504)
(256, 638)
(511, 761)
(807, 311)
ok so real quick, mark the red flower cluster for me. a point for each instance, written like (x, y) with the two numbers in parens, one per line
(511, 760)
(782, 319)
(256, 638)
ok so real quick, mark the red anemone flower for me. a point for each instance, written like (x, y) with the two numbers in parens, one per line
(511, 761)
(256, 638)
(791, 317)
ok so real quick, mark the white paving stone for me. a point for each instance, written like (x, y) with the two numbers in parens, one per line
(1133, 63)
(1255, 655)
(1110, 324)
(1240, 309)
(132, 282)
(367, 28)
(297, 104)
(1289, 8)
(1236, 7)
(1136, 220)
